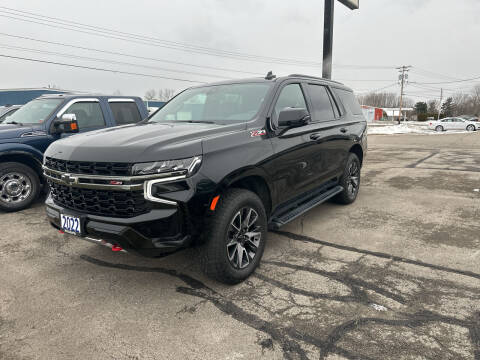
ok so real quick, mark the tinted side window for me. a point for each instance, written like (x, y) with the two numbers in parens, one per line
(322, 106)
(349, 101)
(125, 112)
(335, 106)
(88, 114)
(291, 96)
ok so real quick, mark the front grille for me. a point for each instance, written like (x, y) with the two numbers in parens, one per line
(99, 202)
(89, 168)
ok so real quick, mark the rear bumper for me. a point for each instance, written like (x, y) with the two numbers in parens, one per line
(152, 234)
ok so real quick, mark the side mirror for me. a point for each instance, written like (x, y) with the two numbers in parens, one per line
(67, 124)
(293, 117)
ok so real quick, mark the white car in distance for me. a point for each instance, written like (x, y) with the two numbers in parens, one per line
(453, 123)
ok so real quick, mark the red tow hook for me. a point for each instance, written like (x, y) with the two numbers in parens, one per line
(116, 248)
(61, 231)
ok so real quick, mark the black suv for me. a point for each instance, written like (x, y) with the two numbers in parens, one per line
(216, 166)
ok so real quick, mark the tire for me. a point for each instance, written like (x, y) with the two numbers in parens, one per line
(439, 128)
(470, 128)
(348, 182)
(19, 186)
(220, 251)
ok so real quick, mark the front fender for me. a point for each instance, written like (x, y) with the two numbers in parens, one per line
(21, 149)
(243, 173)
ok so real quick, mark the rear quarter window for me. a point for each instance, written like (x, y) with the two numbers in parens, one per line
(349, 101)
(125, 112)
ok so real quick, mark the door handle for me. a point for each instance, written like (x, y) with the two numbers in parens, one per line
(315, 136)
(343, 130)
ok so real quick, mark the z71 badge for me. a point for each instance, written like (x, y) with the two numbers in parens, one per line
(258, 132)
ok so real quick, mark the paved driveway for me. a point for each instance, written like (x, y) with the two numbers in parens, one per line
(394, 276)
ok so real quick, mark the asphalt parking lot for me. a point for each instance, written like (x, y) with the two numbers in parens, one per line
(396, 275)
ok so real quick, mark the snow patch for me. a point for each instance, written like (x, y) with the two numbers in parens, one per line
(378, 307)
(409, 128)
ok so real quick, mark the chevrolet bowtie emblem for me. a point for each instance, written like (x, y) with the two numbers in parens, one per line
(69, 179)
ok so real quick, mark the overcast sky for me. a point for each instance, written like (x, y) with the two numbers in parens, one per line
(440, 38)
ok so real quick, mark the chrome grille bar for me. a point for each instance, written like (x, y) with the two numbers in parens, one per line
(133, 182)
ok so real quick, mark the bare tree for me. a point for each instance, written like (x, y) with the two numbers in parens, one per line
(475, 109)
(462, 103)
(117, 93)
(467, 103)
(150, 94)
(384, 100)
(165, 94)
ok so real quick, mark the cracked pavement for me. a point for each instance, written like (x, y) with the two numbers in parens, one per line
(396, 275)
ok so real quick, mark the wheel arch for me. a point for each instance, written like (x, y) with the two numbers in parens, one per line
(25, 158)
(357, 150)
(253, 180)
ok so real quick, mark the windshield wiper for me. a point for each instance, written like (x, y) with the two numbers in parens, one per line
(14, 123)
(197, 121)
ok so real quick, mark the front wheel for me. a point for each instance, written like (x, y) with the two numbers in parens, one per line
(439, 128)
(350, 181)
(235, 237)
(470, 128)
(19, 186)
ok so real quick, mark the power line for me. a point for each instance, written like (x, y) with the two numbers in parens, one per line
(376, 90)
(78, 57)
(88, 29)
(71, 23)
(20, 15)
(423, 95)
(448, 82)
(416, 85)
(366, 67)
(431, 74)
(99, 69)
(127, 55)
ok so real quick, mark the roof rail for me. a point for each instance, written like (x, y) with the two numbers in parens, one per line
(315, 77)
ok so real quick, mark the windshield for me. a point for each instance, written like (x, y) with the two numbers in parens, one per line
(34, 112)
(220, 104)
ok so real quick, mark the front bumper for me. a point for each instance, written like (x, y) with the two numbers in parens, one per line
(160, 231)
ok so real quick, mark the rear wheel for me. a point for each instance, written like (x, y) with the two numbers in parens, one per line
(470, 128)
(350, 181)
(439, 128)
(235, 238)
(19, 186)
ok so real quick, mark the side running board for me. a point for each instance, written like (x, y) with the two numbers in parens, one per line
(277, 221)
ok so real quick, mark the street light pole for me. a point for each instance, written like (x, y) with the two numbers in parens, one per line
(328, 39)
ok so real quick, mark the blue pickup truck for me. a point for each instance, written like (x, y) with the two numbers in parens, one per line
(27, 133)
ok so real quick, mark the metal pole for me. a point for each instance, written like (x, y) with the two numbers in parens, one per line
(440, 106)
(401, 96)
(328, 39)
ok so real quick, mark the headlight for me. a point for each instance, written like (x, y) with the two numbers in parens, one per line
(187, 166)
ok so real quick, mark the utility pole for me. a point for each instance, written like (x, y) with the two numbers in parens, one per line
(403, 77)
(440, 106)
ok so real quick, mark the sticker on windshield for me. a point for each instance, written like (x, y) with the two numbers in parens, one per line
(258, 132)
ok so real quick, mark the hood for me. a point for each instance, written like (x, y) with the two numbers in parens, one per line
(12, 131)
(136, 143)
